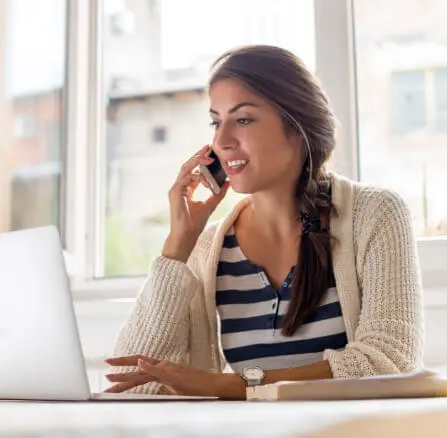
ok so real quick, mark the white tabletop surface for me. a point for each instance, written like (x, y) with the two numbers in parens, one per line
(192, 419)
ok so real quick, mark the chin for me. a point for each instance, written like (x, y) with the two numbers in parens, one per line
(243, 188)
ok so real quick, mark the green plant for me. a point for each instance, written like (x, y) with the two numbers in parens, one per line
(120, 254)
(159, 218)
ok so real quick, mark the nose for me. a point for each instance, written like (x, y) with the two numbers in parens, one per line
(224, 138)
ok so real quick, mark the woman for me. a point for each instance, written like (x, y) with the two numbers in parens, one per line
(311, 276)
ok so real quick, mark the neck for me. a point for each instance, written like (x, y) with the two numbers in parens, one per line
(274, 215)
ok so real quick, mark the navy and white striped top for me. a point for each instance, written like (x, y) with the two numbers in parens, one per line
(250, 311)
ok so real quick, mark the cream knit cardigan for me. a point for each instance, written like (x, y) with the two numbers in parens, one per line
(377, 277)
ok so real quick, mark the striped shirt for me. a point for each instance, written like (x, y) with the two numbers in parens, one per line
(250, 310)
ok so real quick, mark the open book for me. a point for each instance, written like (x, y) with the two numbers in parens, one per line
(418, 384)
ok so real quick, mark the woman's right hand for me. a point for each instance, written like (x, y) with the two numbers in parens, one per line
(188, 217)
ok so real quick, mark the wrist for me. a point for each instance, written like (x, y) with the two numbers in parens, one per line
(177, 249)
(231, 387)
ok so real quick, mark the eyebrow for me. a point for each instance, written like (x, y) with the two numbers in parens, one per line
(235, 108)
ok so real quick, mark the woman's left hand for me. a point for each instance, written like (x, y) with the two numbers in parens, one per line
(178, 379)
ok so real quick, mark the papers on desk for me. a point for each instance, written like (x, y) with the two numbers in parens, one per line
(419, 384)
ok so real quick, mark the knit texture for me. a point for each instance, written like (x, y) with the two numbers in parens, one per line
(378, 281)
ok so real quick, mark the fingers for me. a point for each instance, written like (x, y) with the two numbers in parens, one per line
(189, 178)
(193, 162)
(127, 377)
(202, 152)
(129, 360)
(162, 371)
(204, 181)
(129, 380)
(147, 367)
(213, 201)
(121, 387)
(189, 184)
(171, 390)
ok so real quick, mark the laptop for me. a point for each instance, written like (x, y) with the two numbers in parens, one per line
(41, 355)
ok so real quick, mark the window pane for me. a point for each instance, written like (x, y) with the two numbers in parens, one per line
(408, 100)
(402, 103)
(155, 70)
(440, 97)
(32, 82)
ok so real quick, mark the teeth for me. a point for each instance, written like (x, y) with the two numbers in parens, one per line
(237, 163)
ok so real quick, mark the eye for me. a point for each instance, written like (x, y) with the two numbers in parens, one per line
(214, 124)
(244, 121)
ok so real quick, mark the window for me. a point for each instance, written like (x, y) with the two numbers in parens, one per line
(415, 96)
(163, 68)
(100, 163)
(24, 127)
(409, 102)
(159, 135)
(122, 23)
(402, 103)
(32, 84)
(440, 99)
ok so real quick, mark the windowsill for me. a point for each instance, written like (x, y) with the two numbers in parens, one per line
(432, 253)
(119, 293)
(435, 298)
(108, 289)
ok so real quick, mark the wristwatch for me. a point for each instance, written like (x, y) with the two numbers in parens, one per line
(252, 375)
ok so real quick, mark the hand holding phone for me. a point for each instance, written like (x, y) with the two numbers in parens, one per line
(214, 173)
(187, 216)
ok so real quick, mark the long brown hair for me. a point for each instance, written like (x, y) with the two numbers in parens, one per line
(281, 78)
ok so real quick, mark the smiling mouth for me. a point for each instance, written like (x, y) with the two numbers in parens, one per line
(236, 164)
(235, 167)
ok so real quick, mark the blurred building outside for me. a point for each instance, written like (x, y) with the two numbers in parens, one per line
(156, 115)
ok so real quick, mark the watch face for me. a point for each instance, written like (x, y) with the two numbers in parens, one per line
(253, 373)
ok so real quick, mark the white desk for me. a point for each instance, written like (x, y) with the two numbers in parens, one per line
(192, 419)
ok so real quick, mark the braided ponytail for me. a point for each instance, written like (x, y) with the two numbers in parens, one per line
(313, 271)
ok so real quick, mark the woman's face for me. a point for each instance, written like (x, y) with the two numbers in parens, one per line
(250, 140)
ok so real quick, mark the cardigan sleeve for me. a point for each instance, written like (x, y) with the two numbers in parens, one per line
(158, 325)
(389, 335)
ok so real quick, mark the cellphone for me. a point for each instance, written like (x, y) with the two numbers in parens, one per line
(214, 173)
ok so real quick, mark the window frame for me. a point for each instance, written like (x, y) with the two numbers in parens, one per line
(20, 123)
(85, 175)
